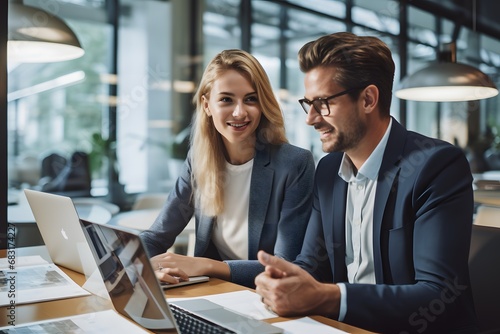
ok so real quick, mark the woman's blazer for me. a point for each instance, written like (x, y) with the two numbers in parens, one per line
(279, 209)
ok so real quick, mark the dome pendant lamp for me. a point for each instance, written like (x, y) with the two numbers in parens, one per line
(37, 36)
(447, 81)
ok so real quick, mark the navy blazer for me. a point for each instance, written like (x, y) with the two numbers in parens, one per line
(279, 210)
(422, 223)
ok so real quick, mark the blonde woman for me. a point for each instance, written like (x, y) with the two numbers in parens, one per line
(246, 186)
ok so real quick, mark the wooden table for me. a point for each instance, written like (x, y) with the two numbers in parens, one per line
(79, 305)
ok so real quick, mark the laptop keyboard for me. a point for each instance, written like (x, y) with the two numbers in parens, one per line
(190, 323)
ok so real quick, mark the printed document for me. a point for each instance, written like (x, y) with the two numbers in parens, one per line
(108, 322)
(34, 281)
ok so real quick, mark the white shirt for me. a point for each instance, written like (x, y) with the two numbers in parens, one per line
(230, 233)
(359, 224)
(360, 203)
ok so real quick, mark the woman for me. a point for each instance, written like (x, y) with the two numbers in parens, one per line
(246, 186)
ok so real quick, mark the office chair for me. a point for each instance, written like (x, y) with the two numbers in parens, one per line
(67, 177)
(484, 267)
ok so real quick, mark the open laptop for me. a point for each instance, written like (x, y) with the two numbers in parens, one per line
(136, 293)
(59, 226)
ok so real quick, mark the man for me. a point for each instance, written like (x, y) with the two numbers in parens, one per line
(392, 211)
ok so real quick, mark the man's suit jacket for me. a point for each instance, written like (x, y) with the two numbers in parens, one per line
(279, 210)
(421, 234)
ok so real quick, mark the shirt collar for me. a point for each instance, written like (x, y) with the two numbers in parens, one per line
(371, 166)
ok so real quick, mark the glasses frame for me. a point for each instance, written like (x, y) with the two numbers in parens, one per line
(306, 104)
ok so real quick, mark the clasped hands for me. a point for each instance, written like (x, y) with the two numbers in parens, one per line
(288, 290)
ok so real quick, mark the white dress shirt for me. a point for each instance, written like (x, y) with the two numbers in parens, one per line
(360, 203)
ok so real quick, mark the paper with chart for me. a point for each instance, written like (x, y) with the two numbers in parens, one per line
(35, 283)
(108, 322)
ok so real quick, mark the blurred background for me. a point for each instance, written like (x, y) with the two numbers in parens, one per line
(114, 123)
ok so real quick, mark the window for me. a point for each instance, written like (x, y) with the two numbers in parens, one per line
(55, 108)
(163, 47)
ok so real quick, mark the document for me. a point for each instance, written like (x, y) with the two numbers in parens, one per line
(34, 281)
(22, 261)
(244, 302)
(306, 325)
(108, 322)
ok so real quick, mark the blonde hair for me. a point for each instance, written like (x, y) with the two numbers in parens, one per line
(207, 148)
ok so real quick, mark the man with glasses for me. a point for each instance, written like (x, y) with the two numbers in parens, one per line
(387, 243)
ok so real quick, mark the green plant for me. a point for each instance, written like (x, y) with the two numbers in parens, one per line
(102, 150)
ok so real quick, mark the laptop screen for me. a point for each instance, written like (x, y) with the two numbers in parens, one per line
(128, 276)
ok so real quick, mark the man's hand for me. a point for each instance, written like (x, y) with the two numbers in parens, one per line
(288, 290)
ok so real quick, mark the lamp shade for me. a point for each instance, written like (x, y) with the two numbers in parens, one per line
(447, 81)
(36, 36)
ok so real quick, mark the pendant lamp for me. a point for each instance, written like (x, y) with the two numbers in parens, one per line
(447, 81)
(37, 36)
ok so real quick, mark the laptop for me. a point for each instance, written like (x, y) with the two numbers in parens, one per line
(136, 293)
(59, 226)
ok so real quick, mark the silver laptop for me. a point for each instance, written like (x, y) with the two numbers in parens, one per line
(59, 225)
(136, 293)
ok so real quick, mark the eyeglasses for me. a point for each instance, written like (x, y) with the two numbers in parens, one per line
(321, 105)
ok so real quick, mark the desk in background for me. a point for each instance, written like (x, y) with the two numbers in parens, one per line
(487, 197)
(142, 219)
(73, 306)
(487, 188)
(135, 219)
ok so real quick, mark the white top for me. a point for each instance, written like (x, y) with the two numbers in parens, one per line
(230, 234)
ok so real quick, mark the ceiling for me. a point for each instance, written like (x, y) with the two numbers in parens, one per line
(477, 15)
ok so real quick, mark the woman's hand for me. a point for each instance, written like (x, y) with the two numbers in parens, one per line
(172, 268)
(167, 271)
